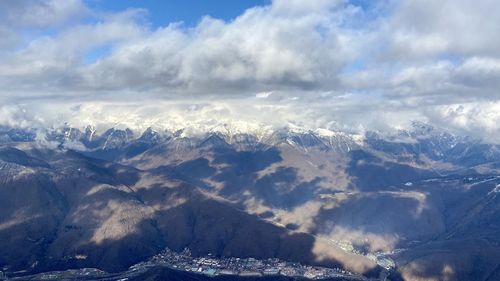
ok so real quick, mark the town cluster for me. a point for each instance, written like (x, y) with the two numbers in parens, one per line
(212, 266)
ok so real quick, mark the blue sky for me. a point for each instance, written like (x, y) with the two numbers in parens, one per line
(163, 12)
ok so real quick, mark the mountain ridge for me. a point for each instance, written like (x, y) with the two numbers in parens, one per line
(101, 195)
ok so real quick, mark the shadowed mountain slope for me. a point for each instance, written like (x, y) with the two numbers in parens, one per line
(425, 198)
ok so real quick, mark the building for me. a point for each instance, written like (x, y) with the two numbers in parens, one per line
(210, 271)
(227, 272)
(271, 271)
(250, 273)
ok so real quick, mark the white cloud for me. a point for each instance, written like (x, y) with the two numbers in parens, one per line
(478, 119)
(328, 63)
(446, 27)
(263, 95)
(51, 12)
(41, 13)
(264, 47)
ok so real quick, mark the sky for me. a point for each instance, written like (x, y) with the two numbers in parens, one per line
(325, 64)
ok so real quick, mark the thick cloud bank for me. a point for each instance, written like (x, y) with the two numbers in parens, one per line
(313, 64)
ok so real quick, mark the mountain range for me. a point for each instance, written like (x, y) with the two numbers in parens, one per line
(425, 197)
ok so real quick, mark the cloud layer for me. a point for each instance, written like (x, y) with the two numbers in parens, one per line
(316, 64)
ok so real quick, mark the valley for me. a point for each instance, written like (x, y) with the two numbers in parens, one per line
(373, 207)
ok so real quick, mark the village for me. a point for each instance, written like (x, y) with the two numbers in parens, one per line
(212, 266)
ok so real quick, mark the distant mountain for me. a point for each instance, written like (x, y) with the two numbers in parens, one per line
(421, 143)
(423, 197)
